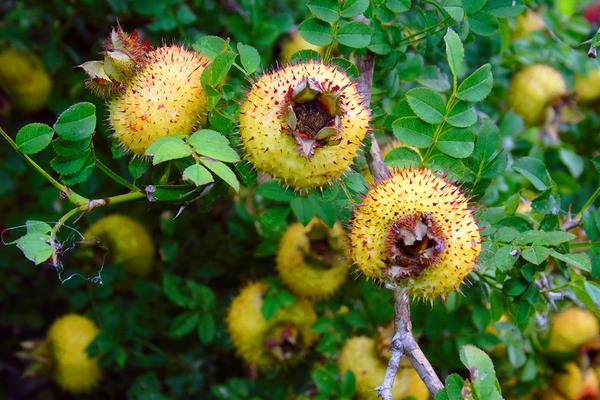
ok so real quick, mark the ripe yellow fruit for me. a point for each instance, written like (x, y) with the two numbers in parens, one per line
(528, 23)
(295, 43)
(575, 384)
(587, 87)
(67, 340)
(303, 124)
(127, 241)
(360, 356)
(164, 98)
(533, 89)
(571, 328)
(282, 340)
(416, 230)
(24, 79)
(313, 260)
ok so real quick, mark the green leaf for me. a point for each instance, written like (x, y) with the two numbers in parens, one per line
(197, 174)
(580, 261)
(505, 8)
(184, 324)
(168, 148)
(223, 172)
(354, 34)
(455, 52)
(348, 67)
(354, 8)
(398, 6)
(303, 209)
(249, 57)
(304, 56)
(462, 115)
(413, 131)
(212, 144)
(534, 171)
(403, 157)
(81, 175)
(76, 122)
(217, 70)
(35, 246)
(316, 32)
(325, 10)
(454, 168)
(273, 190)
(210, 46)
(69, 165)
(137, 167)
(33, 138)
(488, 140)
(478, 85)
(572, 161)
(427, 104)
(68, 148)
(206, 328)
(483, 376)
(455, 9)
(457, 143)
(536, 254)
(348, 387)
(483, 23)
(176, 291)
(34, 226)
(544, 238)
(454, 384)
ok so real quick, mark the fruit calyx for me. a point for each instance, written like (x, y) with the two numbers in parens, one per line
(284, 341)
(312, 116)
(414, 243)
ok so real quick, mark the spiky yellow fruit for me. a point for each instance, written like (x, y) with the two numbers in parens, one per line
(67, 340)
(416, 230)
(127, 243)
(528, 23)
(164, 98)
(360, 356)
(313, 260)
(533, 89)
(571, 328)
(303, 124)
(295, 43)
(24, 79)
(587, 87)
(281, 340)
(575, 384)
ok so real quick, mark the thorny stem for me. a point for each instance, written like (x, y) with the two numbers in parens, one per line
(70, 195)
(403, 342)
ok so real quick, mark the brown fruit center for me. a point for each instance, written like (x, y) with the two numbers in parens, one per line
(414, 242)
(312, 116)
(284, 341)
(323, 247)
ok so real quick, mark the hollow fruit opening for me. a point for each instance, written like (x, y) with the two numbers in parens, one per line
(284, 341)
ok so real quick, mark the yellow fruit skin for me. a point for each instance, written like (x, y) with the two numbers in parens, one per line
(24, 79)
(273, 150)
(406, 192)
(248, 327)
(68, 338)
(571, 328)
(533, 89)
(164, 98)
(587, 87)
(298, 273)
(575, 384)
(296, 43)
(129, 243)
(359, 355)
(528, 23)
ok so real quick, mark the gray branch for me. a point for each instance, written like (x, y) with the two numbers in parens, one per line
(403, 342)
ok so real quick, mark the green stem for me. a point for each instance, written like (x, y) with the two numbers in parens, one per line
(112, 175)
(72, 196)
(439, 129)
(333, 43)
(588, 204)
(557, 289)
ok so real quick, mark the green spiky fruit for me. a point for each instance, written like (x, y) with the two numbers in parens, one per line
(533, 89)
(360, 356)
(416, 230)
(303, 124)
(164, 98)
(282, 340)
(295, 43)
(128, 243)
(24, 79)
(67, 340)
(313, 261)
(571, 328)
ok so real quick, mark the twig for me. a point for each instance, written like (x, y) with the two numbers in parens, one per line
(403, 342)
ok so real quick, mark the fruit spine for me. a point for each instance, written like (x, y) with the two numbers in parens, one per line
(313, 260)
(281, 340)
(416, 230)
(303, 124)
